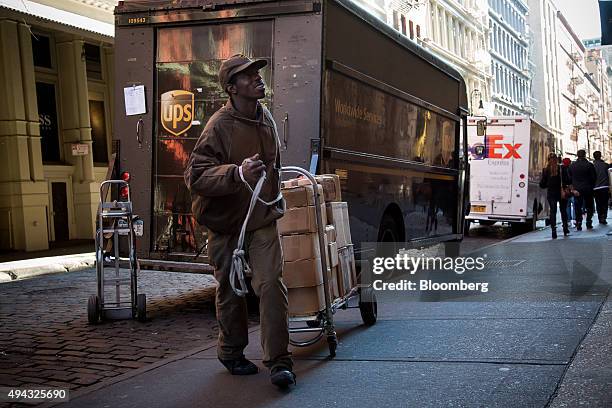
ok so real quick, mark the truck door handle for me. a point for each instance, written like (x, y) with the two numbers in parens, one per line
(286, 129)
(139, 126)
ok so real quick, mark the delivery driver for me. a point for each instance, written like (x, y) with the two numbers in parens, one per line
(238, 143)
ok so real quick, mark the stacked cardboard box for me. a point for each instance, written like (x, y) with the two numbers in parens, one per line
(302, 271)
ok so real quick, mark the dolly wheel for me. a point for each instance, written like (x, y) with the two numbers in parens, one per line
(332, 342)
(141, 307)
(93, 309)
(368, 306)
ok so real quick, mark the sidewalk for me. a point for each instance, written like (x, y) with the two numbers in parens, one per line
(528, 342)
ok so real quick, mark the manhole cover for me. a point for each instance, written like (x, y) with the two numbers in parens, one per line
(503, 263)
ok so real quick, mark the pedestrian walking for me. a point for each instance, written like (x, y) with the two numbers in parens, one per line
(601, 191)
(237, 145)
(555, 179)
(582, 174)
(565, 163)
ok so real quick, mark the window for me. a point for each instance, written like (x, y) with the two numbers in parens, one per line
(93, 61)
(47, 115)
(41, 49)
(97, 121)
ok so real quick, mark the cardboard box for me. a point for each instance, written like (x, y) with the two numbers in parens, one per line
(303, 273)
(333, 281)
(301, 196)
(332, 249)
(330, 232)
(306, 301)
(331, 187)
(346, 270)
(335, 215)
(346, 224)
(295, 182)
(300, 220)
(301, 246)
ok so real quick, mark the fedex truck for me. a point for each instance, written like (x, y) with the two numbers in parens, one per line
(506, 156)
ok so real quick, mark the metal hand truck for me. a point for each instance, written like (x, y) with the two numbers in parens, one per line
(120, 221)
(360, 296)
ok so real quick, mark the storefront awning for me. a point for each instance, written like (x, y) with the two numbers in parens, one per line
(59, 16)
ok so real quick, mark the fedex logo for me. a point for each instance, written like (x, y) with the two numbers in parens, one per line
(499, 150)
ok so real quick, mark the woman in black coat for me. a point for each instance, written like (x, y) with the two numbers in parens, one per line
(554, 179)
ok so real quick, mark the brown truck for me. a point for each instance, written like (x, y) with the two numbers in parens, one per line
(350, 95)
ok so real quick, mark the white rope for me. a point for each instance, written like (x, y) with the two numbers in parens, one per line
(239, 264)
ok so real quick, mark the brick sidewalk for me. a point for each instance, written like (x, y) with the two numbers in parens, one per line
(45, 338)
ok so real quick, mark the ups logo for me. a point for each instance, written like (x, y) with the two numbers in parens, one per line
(177, 111)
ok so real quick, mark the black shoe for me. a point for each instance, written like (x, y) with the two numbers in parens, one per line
(566, 231)
(554, 234)
(578, 227)
(589, 226)
(604, 222)
(282, 377)
(241, 366)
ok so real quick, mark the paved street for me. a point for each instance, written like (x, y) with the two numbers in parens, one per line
(45, 338)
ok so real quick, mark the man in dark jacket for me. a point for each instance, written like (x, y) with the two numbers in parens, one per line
(238, 143)
(583, 178)
(602, 189)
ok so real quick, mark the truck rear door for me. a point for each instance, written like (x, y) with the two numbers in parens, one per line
(187, 94)
(491, 173)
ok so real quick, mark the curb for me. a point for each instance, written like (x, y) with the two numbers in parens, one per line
(29, 268)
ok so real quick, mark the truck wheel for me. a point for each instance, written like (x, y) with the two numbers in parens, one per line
(466, 228)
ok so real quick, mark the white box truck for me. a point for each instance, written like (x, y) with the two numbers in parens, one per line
(506, 156)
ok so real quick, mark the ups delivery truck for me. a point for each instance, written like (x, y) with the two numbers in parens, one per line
(350, 95)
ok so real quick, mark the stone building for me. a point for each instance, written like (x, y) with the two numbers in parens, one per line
(56, 71)
(456, 31)
(511, 66)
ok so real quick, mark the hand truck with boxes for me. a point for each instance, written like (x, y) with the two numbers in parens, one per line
(319, 264)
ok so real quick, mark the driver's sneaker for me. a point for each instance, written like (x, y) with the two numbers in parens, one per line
(282, 377)
(242, 366)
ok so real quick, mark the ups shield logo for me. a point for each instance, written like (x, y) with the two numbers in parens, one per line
(177, 111)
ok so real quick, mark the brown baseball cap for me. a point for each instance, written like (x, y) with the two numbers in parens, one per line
(235, 64)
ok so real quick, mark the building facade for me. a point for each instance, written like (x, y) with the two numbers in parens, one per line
(56, 70)
(599, 65)
(598, 70)
(583, 94)
(545, 81)
(456, 31)
(510, 58)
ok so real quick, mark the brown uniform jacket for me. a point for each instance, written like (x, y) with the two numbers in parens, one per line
(220, 199)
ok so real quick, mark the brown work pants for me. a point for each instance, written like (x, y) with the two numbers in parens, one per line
(265, 257)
